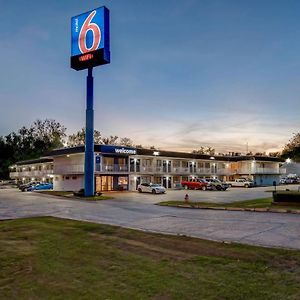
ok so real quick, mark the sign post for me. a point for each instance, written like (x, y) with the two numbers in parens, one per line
(89, 137)
(90, 48)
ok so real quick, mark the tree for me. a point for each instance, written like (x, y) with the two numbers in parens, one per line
(111, 140)
(205, 150)
(29, 143)
(139, 146)
(127, 142)
(292, 148)
(199, 151)
(275, 154)
(78, 138)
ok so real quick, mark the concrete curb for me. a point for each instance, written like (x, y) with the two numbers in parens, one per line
(269, 210)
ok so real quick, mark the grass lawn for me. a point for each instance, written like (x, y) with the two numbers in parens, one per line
(71, 195)
(255, 203)
(48, 258)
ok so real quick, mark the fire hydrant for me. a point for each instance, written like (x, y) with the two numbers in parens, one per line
(186, 198)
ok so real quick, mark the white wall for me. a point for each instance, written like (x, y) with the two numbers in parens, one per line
(61, 183)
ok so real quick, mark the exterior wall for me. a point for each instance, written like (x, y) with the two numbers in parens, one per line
(69, 164)
(67, 183)
(266, 179)
(68, 170)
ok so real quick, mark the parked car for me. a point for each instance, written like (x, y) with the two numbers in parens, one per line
(194, 184)
(151, 188)
(216, 184)
(25, 186)
(289, 179)
(241, 182)
(40, 186)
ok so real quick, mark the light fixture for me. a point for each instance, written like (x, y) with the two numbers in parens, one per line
(211, 157)
(68, 155)
(155, 153)
(288, 160)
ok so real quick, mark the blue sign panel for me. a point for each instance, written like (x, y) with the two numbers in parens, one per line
(90, 39)
(118, 150)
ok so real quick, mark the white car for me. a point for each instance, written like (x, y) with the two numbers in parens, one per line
(151, 188)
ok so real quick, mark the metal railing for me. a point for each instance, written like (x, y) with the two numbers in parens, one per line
(34, 173)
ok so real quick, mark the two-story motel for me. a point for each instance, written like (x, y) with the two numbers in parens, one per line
(123, 168)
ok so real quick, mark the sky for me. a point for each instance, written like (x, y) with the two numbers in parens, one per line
(183, 74)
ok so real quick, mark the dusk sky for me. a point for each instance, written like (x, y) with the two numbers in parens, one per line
(183, 74)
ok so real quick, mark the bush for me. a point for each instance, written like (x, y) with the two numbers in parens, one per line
(80, 193)
(286, 196)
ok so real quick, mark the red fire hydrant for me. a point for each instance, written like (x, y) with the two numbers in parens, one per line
(186, 198)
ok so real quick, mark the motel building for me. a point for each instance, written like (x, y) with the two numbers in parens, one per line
(123, 168)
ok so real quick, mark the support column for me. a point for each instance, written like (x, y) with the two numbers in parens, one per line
(89, 137)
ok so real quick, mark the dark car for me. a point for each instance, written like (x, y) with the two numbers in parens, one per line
(26, 186)
(216, 185)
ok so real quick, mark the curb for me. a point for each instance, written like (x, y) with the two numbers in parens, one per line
(268, 210)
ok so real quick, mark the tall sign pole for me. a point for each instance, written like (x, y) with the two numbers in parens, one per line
(89, 136)
(90, 48)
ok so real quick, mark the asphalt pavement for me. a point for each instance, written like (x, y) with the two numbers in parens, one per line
(137, 211)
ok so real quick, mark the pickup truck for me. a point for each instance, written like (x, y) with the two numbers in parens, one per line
(241, 182)
(195, 184)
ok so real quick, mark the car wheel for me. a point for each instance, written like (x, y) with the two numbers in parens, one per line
(218, 187)
(139, 190)
(204, 188)
(246, 185)
(153, 191)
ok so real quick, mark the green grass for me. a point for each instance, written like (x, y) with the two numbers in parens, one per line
(71, 195)
(48, 258)
(255, 203)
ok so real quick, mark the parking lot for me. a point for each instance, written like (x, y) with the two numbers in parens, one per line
(134, 210)
(230, 195)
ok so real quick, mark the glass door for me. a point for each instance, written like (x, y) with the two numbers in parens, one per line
(106, 183)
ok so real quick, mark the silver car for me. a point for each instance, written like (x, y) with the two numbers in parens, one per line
(151, 188)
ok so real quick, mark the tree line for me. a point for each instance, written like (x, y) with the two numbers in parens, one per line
(45, 135)
(42, 137)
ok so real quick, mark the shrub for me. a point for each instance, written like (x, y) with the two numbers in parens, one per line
(286, 196)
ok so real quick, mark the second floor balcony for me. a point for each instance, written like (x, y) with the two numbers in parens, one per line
(33, 173)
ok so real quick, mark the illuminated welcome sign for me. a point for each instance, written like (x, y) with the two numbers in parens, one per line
(117, 150)
(90, 39)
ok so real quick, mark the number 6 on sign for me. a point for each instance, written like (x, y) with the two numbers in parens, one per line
(87, 25)
(90, 39)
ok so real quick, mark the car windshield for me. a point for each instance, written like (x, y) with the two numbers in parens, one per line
(156, 185)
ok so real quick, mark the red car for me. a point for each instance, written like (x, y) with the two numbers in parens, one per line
(195, 184)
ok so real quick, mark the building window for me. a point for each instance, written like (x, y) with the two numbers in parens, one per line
(74, 177)
(67, 177)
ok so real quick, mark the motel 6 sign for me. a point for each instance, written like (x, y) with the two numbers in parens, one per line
(90, 39)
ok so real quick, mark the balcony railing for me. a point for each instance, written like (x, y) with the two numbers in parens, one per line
(111, 168)
(69, 169)
(260, 171)
(79, 169)
(32, 174)
(182, 170)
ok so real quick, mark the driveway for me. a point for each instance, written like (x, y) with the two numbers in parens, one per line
(230, 195)
(133, 211)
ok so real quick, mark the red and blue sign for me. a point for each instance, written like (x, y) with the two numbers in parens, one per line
(90, 39)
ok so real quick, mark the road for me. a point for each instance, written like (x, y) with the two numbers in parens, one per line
(266, 229)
